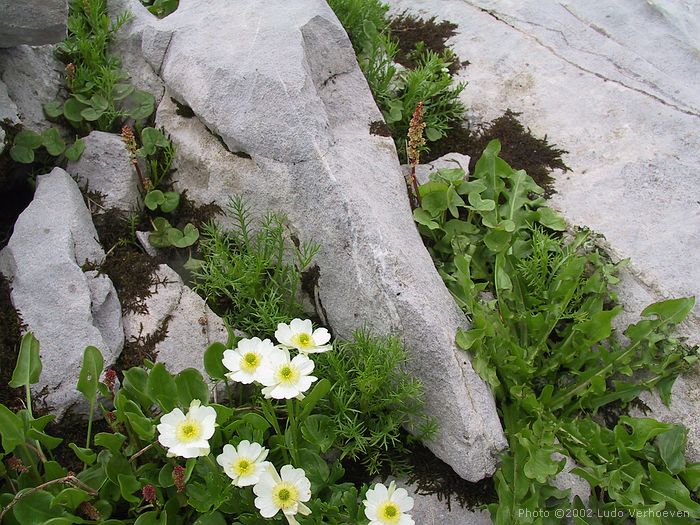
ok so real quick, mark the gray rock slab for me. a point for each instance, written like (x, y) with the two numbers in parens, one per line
(32, 76)
(191, 326)
(105, 167)
(279, 82)
(64, 307)
(613, 84)
(32, 22)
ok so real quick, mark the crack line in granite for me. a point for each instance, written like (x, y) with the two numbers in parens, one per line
(578, 66)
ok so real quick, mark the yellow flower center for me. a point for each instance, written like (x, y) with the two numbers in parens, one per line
(188, 431)
(287, 374)
(389, 512)
(303, 340)
(250, 362)
(285, 495)
(243, 467)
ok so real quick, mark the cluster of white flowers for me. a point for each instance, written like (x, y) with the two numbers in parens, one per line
(282, 377)
(272, 366)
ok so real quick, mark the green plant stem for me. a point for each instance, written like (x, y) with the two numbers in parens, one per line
(90, 418)
(293, 429)
(272, 418)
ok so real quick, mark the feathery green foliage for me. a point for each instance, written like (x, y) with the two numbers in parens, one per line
(246, 273)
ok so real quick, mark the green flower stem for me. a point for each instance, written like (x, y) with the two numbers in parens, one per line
(272, 418)
(90, 418)
(293, 428)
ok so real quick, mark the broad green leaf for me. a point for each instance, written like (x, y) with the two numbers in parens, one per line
(110, 441)
(89, 378)
(691, 476)
(162, 388)
(171, 200)
(319, 391)
(671, 446)
(72, 110)
(319, 430)
(75, 150)
(29, 139)
(432, 134)
(211, 518)
(153, 199)
(213, 361)
(100, 103)
(22, 154)
(128, 484)
(70, 498)
(643, 431)
(152, 518)
(551, 219)
(182, 239)
(91, 114)
(191, 385)
(11, 429)
(667, 489)
(480, 204)
(54, 144)
(140, 104)
(497, 240)
(53, 109)
(86, 455)
(35, 508)
(28, 368)
(421, 216)
(121, 91)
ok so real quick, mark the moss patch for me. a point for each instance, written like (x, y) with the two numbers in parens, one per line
(411, 30)
(519, 147)
(141, 347)
(10, 335)
(379, 127)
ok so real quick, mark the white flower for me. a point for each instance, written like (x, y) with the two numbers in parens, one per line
(286, 493)
(245, 463)
(386, 506)
(302, 336)
(187, 435)
(246, 361)
(284, 378)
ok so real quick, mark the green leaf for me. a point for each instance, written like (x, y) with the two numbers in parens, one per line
(75, 150)
(121, 91)
(70, 498)
(153, 199)
(497, 240)
(421, 216)
(432, 134)
(311, 400)
(86, 455)
(191, 385)
(691, 476)
(171, 200)
(91, 114)
(671, 447)
(72, 110)
(152, 518)
(22, 154)
(53, 109)
(11, 429)
(182, 239)
(140, 104)
(112, 442)
(28, 368)
(162, 388)
(319, 430)
(643, 431)
(99, 103)
(667, 489)
(35, 508)
(213, 361)
(128, 484)
(28, 139)
(551, 219)
(89, 378)
(211, 518)
(53, 142)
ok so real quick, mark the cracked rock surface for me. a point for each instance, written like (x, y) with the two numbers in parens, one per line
(614, 84)
(282, 116)
(65, 307)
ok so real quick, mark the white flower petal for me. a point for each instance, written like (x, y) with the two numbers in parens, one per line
(321, 336)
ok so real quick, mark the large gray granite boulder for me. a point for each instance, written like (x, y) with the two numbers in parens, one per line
(181, 321)
(32, 76)
(32, 22)
(65, 307)
(279, 84)
(105, 166)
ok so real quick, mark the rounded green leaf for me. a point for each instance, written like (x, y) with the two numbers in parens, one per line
(75, 150)
(171, 200)
(140, 104)
(53, 142)
(72, 109)
(153, 199)
(213, 363)
(91, 114)
(22, 154)
(121, 91)
(28, 139)
(53, 109)
(432, 134)
(191, 385)
(99, 103)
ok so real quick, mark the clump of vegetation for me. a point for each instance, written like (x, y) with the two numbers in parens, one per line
(246, 274)
(411, 31)
(542, 308)
(372, 400)
(100, 96)
(398, 92)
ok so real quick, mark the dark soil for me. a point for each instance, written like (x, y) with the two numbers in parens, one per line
(379, 127)
(188, 211)
(431, 476)
(10, 336)
(141, 348)
(519, 148)
(411, 31)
